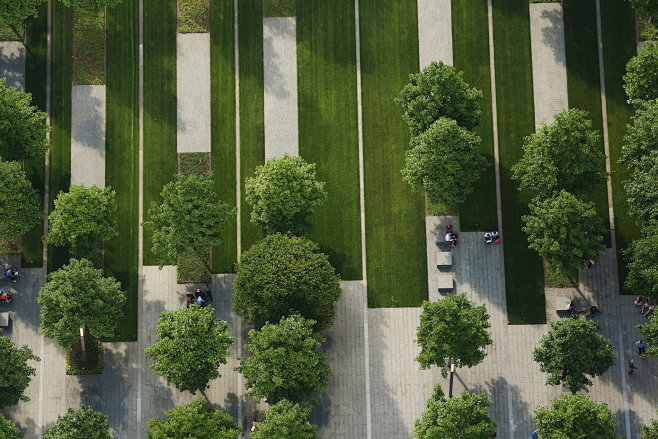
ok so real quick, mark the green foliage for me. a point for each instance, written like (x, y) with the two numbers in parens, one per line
(572, 349)
(564, 154)
(16, 373)
(192, 269)
(464, 417)
(84, 423)
(649, 332)
(19, 10)
(650, 431)
(75, 294)
(194, 420)
(642, 191)
(194, 163)
(646, 8)
(642, 136)
(285, 362)
(641, 78)
(88, 46)
(21, 210)
(94, 5)
(439, 91)
(575, 416)
(191, 344)
(193, 16)
(279, 8)
(283, 193)
(286, 420)
(94, 364)
(23, 127)
(642, 256)
(11, 30)
(8, 429)
(283, 275)
(452, 328)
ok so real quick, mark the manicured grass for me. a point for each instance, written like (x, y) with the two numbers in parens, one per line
(395, 223)
(160, 113)
(618, 25)
(285, 8)
(222, 119)
(252, 125)
(524, 277)
(328, 133)
(193, 16)
(122, 155)
(470, 43)
(88, 46)
(11, 31)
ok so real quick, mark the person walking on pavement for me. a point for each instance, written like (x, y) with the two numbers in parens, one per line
(534, 435)
(631, 366)
(640, 346)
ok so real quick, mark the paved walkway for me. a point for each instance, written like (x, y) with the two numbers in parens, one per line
(12, 63)
(88, 135)
(434, 32)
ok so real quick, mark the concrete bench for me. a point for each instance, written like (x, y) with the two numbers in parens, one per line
(4, 319)
(443, 259)
(445, 281)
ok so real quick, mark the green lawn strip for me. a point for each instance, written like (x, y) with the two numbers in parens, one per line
(11, 31)
(583, 79)
(395, 223)
(524, 275)
(285, 8)
(470, 42)
(160, 106)
(328, 132)
(222, 120)
(88, 46)
(193, 16)
(122, 155)
(252, 125)
(618, 26)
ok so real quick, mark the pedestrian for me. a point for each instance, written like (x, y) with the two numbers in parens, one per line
(534, 435)
(254, 427)
(202, 303)
(631, 366)
(640, 346)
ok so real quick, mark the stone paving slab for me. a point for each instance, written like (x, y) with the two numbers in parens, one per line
(434, 32)
(435, 227)
(12, 63)
(88, 118)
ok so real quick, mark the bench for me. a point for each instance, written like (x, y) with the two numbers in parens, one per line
(445, 281)
(443, 259)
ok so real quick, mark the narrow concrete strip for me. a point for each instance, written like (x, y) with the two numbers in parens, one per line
(140, 230)
(12, 63)
(88, 135)
(280, 83)
(549, 67)
(640, 45)
(434, 32)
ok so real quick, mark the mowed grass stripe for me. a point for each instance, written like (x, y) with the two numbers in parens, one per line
(396, 256)
(470, 42)
(524, 278)
(122, 155)
(328, 132)
(160, 106)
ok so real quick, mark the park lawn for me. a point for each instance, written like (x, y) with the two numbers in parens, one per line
(122, 155)
(524, 275)
(328, 131)
(470, 42)
(618, 26)
(88, 47)
(160, 106)
(395, 222)
(284, 8)
(222, 119)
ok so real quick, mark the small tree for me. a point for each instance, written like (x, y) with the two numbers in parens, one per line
(650, 431)
(286, 420)
(191, 344)
(23, 127)
(21, 210)
(94, 5)
(283, 193)
(464, 417)
(641, 138)
(641, 78)
(452, 328)
(445, 161)
(571, 350)
(77, 294)
(642, 192)
(8, 429)
(575, 416)
(16, 373)
(84, 423)
(649, 332)
(642, 256)
(439, 91)
(194, 420)
(285, 362)
(190, 217)
(282, 275)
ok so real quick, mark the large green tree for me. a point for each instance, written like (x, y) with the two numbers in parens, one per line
(646, 8)
(8, 429)
(191, 344)
(84, 423)
(649, 332)
(650, 431)
(19, 202)
(23, 127)
(641, 78)
(283, 275)
(642, 192)
(641, 138)
(283, 193)
(16, 373)
(571, 350)
(439, 91)
(285, 362)
(452, 328)
(445, 161)
(78, 294)
(575, 416)
(285, 420)
(14, 11)
(642, 257)
(194, 420)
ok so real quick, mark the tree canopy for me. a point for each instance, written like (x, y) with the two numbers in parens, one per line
(646, 8)
(8, 429)
(445, 161)
(285, 362)
(452, 328)
(642, 192)
(642, 256)
(575, 416)
(650, 431)
(84, 423)
(94, 5)
(649, 332)
(194, 420)
(285, 420)
(439, 91)
(283, 275)
(18, 10)
(571, 350)
(19, 202)
(16, 372)
(641, 138)
(191, 344)
(283, 193)
(641, 78)
(23, 127)
(75, 294)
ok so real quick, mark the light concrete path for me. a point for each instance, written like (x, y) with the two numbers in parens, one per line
(280, 83)
(434, 32)
(193, 91)
(549, 68)
(12, 63)
(88, 135)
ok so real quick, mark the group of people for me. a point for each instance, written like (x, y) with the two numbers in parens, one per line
(490, 237)
(10, 272)
(646, 305)
(199, 297)
(588, 311)
(451, 236)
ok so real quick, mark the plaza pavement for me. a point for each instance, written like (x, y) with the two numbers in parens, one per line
(88, 116)
(434, 32)
(12, 63)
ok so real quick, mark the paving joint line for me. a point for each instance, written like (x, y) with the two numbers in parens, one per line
(140, 230)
